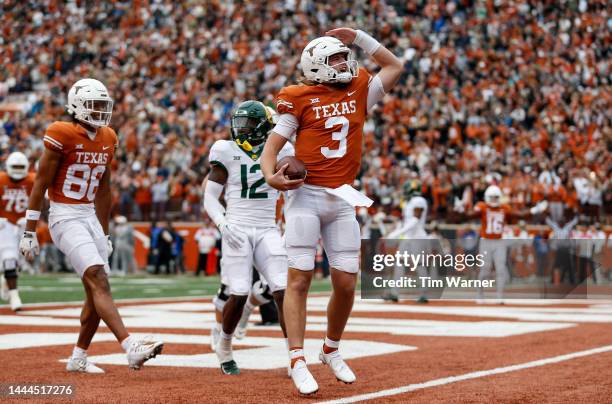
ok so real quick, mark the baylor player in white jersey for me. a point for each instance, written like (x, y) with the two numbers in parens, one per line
(250, 236)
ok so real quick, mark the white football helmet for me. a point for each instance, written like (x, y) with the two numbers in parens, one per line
(493, 196)
(315, 57)
(89, 102)
(17, 166)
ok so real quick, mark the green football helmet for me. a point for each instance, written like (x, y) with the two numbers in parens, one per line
(251, 125)
(412, 188)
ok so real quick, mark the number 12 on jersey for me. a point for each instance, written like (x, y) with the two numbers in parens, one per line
(251, 192)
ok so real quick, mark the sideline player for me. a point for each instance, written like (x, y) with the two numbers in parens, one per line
(413, 239)
(494, 217)
(247, 224)
(15, 187)
(75, 169)
(327, 113)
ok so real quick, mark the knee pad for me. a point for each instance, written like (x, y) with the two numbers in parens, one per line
(342, 241)
(221, 297)
(261, 292)
(345, 261)
(301, 258)
(10, 274)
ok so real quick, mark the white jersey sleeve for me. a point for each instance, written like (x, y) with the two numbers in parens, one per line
(220, 154)
(376, 91)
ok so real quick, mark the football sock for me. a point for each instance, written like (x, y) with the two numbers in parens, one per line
(219, 327)
(126, 343)
(79, 353)
(296, 354)
(249, 306)
(226, 341)
(330, 345)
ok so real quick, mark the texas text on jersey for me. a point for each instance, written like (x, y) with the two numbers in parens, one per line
(493, 219)
(14, 196)
(329, 136)
(84, 161)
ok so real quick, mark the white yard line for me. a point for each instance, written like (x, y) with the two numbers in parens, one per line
(468, 376)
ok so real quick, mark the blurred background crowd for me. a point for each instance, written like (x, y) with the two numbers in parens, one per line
(511, 92)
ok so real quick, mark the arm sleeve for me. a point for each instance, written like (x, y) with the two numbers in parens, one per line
(409, 225)
(376, 92)
(213, 207)
(286, 126)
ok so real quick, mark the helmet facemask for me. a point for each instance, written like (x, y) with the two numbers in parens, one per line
(250, 128)
(97, 113)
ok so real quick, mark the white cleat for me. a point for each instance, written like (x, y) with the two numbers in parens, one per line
(141, 351)
(14, 300)
(82, 365)
(215, 336)
(341, 370)
(303, 380)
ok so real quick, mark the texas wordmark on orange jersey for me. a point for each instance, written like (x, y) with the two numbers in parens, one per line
(330, 131)
(83, 162)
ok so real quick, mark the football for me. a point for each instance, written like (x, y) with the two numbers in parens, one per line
(296, 169)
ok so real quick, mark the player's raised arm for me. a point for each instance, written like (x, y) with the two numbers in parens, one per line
(277, 180)
(391, 66)
(47, 167)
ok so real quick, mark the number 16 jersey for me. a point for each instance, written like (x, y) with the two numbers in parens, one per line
(249, 200)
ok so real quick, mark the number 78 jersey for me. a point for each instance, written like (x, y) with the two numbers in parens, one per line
(249, 200)
(330, 127)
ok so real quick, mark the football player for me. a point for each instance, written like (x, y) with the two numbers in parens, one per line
(412, 234)
(326, 112)
(15, 187)
(75, 170)
(494, 216)
(250, 236)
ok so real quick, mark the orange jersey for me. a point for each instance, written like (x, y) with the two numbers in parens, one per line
(492, 219)
(14, 196)
(329, 136)
(83, 162)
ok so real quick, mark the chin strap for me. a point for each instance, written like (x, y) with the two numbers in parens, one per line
(245, 145)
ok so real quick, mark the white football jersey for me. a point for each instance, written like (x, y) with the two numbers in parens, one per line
(249, 200)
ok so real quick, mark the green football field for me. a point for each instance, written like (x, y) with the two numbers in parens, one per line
(49, 288)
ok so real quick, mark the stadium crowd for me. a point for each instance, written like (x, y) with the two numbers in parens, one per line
(515, 92)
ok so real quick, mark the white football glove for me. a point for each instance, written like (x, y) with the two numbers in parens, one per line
(28, 246)
(539, 208)
(109, 245)
(231, 236)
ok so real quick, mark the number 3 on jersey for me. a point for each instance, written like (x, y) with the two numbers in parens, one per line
(339, 136)
(86, 184)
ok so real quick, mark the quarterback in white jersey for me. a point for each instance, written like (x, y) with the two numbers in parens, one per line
(250, 236)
